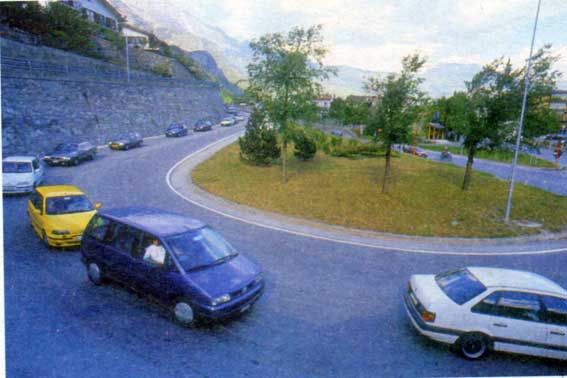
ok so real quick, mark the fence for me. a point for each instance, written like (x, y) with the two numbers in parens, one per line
(25, 68)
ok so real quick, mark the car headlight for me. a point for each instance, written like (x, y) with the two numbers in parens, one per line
(60, 232)
(220, 300)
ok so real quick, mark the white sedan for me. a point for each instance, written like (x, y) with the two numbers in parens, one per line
(21, 174)
(482, 309)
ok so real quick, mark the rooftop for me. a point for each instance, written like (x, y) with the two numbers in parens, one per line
(158, 222)
(59, 190)
(517, 279)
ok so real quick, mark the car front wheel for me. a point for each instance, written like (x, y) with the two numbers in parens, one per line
(95, 273)
(183, 313)
(473, 345)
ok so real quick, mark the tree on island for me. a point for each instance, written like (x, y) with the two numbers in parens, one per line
(398, 108)
(284, 77)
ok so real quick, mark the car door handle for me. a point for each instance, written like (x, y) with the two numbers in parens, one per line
(557, 333)
(500, 325)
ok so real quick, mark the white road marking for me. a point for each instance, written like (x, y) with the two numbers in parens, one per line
(337, 240)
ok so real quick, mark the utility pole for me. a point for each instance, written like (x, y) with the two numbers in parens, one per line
(521, 123)
(127, 60)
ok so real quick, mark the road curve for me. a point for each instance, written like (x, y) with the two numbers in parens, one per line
(330, 309)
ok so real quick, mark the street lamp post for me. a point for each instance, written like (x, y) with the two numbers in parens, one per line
(521, 123)
(127, 60)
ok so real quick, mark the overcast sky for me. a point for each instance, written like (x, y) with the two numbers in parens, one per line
(375, 34)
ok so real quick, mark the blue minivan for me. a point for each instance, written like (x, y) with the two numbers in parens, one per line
(179, 261)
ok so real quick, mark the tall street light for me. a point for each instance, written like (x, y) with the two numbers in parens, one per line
(521, 123)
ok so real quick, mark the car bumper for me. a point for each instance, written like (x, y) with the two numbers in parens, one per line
(9, 189)
(64, 240)
(426, 329)
(53, 162)
(242, 304)
(114, 146)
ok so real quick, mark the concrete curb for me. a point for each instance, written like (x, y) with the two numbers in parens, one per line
(179, 180)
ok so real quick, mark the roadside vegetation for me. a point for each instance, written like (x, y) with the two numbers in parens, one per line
(497, 155)
(425, 197)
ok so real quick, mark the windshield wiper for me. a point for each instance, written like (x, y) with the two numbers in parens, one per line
(216, 262)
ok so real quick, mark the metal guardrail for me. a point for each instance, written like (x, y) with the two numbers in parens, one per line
(20, 67)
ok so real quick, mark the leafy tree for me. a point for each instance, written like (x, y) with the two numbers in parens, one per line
(284, 75)
(488, 113)
(69, 30)
(397, 109)
(337, 110)
(259, 145)
(305, 146)
(355, 111)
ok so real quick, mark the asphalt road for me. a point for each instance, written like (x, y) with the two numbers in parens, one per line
(329, 310)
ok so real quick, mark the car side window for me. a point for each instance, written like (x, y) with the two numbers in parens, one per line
(555, 310)
(124, 238)
(147, 241)
(522, 306)
(98, 227)
(488, 305)
(36, 201)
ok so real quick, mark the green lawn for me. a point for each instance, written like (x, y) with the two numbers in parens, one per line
(425, 196)
(501, 156)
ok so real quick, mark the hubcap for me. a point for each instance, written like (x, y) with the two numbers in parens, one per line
(473, 347)
(94, 272)
(183, 313)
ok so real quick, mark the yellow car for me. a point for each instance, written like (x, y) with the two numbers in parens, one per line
(59, 214)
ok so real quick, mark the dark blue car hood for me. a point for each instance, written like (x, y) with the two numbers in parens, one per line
(225, 278)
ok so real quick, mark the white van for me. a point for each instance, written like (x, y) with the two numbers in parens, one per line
(21, 174)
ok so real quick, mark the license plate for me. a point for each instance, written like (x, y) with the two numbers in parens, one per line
(243, 309)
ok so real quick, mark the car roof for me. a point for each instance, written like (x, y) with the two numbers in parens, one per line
(58, 190)
(19, 158)
(158, 222)
(516, 279)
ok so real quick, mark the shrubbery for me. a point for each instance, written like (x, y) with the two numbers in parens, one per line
(259, 145)
(305, 146)
(163, 69)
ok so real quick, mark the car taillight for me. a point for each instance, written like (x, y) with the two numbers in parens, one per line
(428, 316)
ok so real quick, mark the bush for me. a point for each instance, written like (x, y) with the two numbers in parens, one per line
(116, 39)
(305, 147)
(259, 146)
(163, 69)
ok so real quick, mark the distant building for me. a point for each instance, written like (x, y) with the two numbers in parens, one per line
(136, 37)
(558, 103)
(324, 102)
(435, 130)
(100, 12)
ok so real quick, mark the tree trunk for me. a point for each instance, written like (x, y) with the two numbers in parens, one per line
(386, 180)
(284, 160)
(468, 169)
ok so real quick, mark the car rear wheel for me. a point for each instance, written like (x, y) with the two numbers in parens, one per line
(183, 313)
(95, 273)
(473, 345)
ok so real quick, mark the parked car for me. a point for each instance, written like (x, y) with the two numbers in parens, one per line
(59, 214)
(126, 141)
(481, 309)
(418, 151)
(228, 121)
(337, 133)
(21, 174)
(178, 261)
(203, 125)
(176, 130)
(71, 153)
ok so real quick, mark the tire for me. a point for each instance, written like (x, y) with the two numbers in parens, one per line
(45, 239)
(473, 345)
(183, 313)
(95, 273)
(75, 162)
(126, 147)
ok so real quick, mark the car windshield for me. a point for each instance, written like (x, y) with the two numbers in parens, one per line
(16, 167)
(200, 248)
(67, 205)
(65, 147)
(459, 285)
(174, 126)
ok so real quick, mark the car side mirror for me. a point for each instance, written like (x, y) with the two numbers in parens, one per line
(98, 205)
